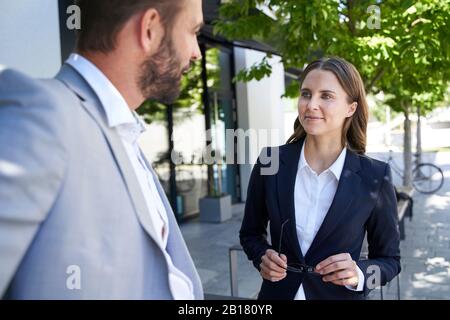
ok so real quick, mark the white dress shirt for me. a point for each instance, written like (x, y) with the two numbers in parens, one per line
(313, 195)
(129, 126)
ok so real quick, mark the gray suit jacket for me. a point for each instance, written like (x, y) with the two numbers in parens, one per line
(73, 219)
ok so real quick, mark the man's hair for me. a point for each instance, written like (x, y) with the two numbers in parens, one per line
(102, 20)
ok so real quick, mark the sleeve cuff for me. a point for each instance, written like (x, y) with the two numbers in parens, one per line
(360, 286)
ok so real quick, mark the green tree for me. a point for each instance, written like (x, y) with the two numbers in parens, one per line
(399, 47)
(418, 73)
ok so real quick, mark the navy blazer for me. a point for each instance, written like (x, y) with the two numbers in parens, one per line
(365, 201)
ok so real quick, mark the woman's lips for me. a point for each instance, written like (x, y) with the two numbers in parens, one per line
(310, 118)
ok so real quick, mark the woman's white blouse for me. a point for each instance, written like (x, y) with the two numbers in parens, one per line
(313, 196)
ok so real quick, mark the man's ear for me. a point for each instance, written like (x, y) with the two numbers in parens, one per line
(151, 31)
(352, 109)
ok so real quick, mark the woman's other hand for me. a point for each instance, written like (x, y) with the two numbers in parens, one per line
(273, 266)
(340, 270)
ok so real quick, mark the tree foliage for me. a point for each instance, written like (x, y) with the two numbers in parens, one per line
(400, 47)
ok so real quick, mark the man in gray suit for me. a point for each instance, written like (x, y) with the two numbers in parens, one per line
(82, 214)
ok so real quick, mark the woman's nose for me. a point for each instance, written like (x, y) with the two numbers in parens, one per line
(313, 103)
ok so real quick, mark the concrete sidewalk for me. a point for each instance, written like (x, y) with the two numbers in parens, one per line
(209, 244)
(425, 251)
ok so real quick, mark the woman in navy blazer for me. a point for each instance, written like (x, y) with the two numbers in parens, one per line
(332, 117)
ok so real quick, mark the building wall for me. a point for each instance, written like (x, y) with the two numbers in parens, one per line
(29, 36)
(260, 106)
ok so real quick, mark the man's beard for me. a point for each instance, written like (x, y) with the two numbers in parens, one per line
(161, 75)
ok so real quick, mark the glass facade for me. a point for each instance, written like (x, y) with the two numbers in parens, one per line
(222, 117)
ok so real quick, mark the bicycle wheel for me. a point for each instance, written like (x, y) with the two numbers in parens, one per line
(427, 178)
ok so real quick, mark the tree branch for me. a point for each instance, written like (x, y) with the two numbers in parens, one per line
(377, 77)
(351, 22)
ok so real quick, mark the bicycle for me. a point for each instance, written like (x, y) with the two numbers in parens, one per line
(427, 177)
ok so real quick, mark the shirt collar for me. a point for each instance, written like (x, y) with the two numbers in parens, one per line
(115, 106)
(336, 168)
(338, 165)
(132, 131)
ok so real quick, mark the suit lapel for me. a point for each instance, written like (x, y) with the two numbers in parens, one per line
(286, 176)
(347, 190)
(92, 105)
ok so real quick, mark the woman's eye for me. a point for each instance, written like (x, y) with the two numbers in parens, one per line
(326, 96)
(305, 94)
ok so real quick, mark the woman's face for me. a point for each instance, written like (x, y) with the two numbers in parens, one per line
(323, 104)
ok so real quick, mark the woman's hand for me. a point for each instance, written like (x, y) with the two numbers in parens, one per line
(339, 269)
(273, 266)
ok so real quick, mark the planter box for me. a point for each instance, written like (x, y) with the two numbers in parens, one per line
(215, 209)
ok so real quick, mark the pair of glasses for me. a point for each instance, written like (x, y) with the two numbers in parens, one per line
(294, 267)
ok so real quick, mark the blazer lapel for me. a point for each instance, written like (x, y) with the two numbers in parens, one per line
(91, 104)
(347, 190)
(286, 176)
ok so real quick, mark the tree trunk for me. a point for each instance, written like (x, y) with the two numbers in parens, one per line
(407, 173)
(419, 137)
(387, 133)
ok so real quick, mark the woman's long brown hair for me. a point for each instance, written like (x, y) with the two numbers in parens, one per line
(355, 127)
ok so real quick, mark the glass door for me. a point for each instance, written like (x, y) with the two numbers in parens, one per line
(222, 117)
